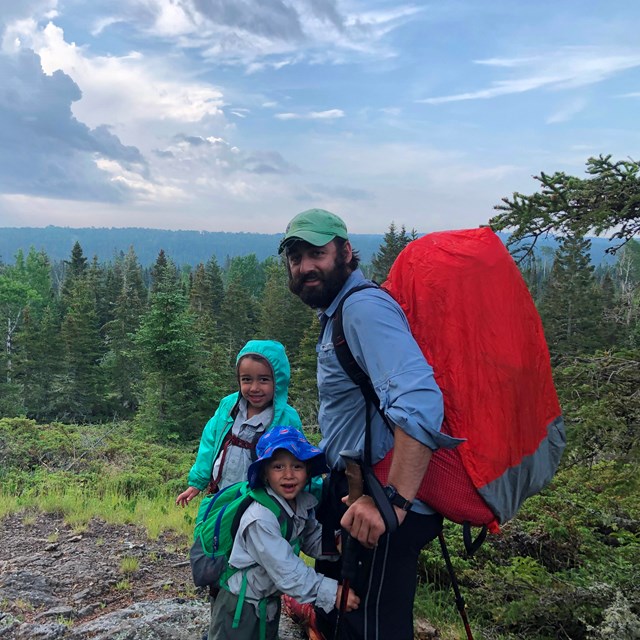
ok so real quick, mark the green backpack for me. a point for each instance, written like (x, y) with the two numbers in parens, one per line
(216, 526)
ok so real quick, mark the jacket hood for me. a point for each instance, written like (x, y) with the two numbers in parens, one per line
(275, 354)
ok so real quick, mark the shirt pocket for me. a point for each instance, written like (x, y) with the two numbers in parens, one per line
(326, 352)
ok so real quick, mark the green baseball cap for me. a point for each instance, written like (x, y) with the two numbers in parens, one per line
(315, 226)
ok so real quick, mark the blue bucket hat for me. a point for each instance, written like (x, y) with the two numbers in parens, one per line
(291, 440)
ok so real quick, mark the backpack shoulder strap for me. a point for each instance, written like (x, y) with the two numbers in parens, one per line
(359, 377)
(284, 519)
(345, 355)
(343, 351)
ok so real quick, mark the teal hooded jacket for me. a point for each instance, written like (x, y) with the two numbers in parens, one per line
(220, 424)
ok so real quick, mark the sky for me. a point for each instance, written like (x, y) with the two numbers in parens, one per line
(234, 115)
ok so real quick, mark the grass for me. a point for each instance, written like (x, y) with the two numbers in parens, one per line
(78, 505)
(129, 565)
(23, 605)
(8, 504)
(433, 604)
(123, 585)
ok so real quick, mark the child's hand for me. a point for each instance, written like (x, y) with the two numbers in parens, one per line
(187, 496)
(352, 599)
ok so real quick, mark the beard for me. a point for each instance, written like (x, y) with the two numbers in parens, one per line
(322, 295)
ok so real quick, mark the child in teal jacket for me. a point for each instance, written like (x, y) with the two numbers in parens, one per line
(228, 440)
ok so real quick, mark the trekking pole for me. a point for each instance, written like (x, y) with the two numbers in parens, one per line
(454, 583)
(355, 479)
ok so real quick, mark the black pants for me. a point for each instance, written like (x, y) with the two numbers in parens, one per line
(386, 584)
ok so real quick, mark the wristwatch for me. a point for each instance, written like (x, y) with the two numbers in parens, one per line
(396, 499)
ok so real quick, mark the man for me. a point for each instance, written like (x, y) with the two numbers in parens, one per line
(323, 267)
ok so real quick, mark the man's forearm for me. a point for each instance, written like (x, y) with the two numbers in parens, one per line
(410, 461)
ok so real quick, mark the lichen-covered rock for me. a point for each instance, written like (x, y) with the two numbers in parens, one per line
(178, 619)
(57, 583)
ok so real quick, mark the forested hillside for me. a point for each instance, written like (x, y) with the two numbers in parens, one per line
(92, 341)
(107, 343)
(184, 247)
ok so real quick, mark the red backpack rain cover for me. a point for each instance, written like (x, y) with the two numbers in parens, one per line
(475, 321)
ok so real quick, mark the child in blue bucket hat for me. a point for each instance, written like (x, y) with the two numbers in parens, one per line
(267, 564)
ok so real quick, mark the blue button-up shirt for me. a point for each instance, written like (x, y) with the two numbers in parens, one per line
(379, 336)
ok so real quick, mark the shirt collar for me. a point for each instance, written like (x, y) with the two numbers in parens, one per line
(260, 419)
(304, 501)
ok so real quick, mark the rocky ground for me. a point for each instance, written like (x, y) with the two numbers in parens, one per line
(102, 581)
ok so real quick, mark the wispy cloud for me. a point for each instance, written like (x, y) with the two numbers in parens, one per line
(567, 111)
(26, 9)
(261, 35)
(330, 114)
(316, 192)
(566, 68)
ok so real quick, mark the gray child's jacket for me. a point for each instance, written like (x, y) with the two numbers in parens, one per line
(272, 566)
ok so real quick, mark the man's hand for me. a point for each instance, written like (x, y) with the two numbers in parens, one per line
(364, 522)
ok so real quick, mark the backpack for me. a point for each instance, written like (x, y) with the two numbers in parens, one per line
(473, 317)
(216, 525)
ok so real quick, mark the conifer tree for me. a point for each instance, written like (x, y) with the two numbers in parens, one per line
(80, 386)
(73, 270)
(393, 243)
(214, 278)
(607, 201)
(41, 362)
(38, 274)
(238, 319)
(303, 392)
(202, 300)
(200, 292)
(247, 271)
(283, 316)
(571, 307)
(173, 395)
(121, 362)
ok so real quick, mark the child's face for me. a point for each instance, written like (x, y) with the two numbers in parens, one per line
(256, 384)
(285, 474)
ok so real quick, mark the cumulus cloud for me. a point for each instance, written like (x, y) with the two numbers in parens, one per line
(330, 114)
(566, 68)
(45, 150)
(126, 88)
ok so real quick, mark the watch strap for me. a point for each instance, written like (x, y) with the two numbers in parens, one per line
(396, 499)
